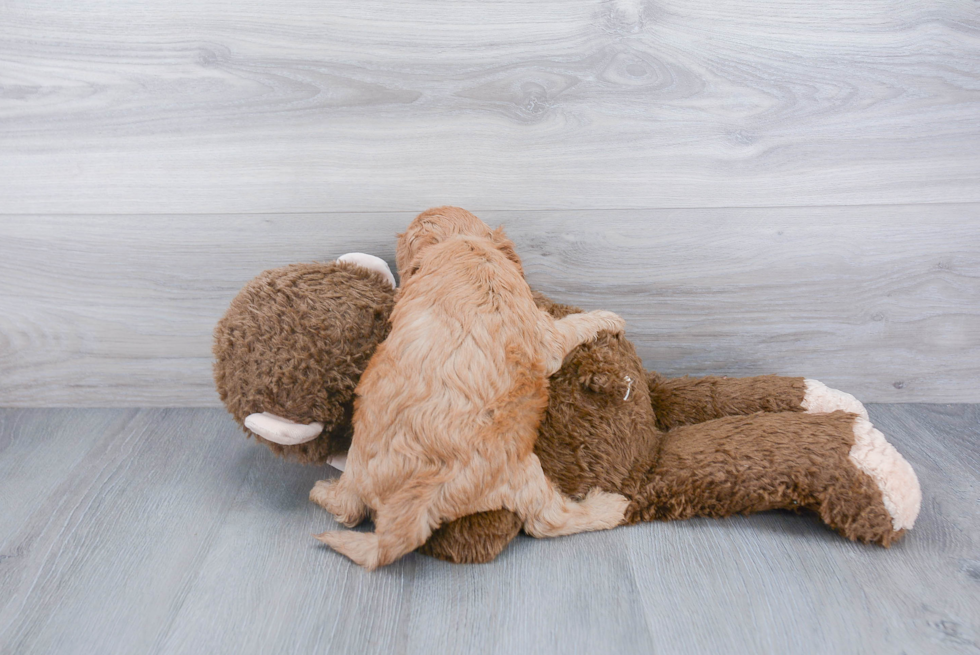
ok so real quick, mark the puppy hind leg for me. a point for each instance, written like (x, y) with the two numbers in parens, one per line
(400, 526)
(547, 513)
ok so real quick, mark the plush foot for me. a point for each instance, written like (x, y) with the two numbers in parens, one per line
(872, 454)
(346, 509)
(892, 475)
(821, 399)
(877, 498)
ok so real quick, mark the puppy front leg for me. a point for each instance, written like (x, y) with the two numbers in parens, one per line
(400, 526)
(572, 331)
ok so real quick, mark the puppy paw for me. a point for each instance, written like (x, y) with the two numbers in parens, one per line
(608, 509)
(322, 495)
(821, 399)
(608, 321)
(350, 513)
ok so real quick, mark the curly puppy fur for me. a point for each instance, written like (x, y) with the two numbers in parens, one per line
(448, 410)
(294, 343)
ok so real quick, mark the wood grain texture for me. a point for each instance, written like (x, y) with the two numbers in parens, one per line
(166, 531)
(209, 106)
(883, 302)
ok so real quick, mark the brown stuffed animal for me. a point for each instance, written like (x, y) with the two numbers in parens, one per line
(291, 349)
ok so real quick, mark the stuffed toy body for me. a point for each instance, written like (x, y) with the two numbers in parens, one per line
(291, 348)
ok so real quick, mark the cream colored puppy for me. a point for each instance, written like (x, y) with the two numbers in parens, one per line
(448, 409)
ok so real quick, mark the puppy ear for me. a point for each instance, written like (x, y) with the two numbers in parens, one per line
(420, 235)
(506, 246)
(403, 255)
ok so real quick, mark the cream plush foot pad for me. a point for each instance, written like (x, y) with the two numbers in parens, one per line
(821, 399)
(894, 476)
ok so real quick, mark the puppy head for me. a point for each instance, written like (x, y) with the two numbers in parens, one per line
(438, 224)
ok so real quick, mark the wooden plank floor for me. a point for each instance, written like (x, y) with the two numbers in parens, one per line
(166, 531)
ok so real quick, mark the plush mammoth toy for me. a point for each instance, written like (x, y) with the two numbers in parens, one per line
(292, 346)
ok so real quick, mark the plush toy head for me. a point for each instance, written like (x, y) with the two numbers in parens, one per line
(294, 344)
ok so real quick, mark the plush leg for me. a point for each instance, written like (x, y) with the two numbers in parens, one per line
(339, 499)
(686, 401)
(835, 464)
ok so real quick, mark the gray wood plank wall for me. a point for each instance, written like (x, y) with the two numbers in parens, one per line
(756, 186)
(118, 310)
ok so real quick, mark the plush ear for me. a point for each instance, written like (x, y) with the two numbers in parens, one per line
(611, 382)
(371, 263)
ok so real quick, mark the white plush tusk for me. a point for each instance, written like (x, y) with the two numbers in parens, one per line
(370, 262)
(339, 462)
(282, 431)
